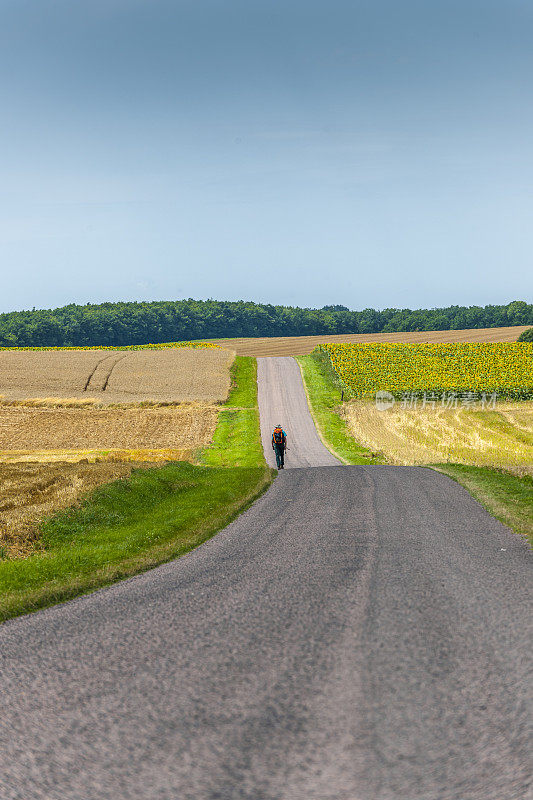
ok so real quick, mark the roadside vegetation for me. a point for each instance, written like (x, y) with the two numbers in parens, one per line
(126, 527)
(237, 438)
(146, 518)
(324, 393)
(31, 491)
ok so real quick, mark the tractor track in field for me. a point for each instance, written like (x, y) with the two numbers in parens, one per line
(102, 380)
(106, 380)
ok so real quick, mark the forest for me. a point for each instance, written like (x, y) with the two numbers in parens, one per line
(127, 323)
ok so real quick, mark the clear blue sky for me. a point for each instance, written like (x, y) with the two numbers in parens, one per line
(375, 153)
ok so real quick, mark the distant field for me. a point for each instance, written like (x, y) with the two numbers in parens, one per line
(68, 405)
(499, 437)
(163, 375)
(303, 345)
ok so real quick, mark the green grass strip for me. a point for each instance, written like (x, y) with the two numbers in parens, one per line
(243, 392)
(324, 395)
(237, 439)
(126, 527)
(507, 497)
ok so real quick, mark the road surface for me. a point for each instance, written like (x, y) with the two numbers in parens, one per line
(282, 400)
(360, 633)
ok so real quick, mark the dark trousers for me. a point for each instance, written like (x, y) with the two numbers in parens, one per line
(280, 455)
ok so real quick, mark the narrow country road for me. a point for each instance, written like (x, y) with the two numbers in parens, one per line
(360, 633)
(282, 400)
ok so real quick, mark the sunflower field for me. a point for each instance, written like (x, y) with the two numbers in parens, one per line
(505, 368)
(198, 345)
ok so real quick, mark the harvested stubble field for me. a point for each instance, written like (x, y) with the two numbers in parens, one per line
(57, 433)
(303, 345)
(30, 491)
(499, 437)
(182, 374)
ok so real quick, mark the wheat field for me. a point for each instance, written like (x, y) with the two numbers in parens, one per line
(53, 433)
(303, 345)
(499, 437)
(101, 377)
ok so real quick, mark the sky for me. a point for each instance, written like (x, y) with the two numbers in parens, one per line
(370, 153)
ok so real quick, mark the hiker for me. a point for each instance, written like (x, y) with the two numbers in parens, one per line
(279, 445)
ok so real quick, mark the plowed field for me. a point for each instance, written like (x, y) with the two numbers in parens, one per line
(302, 345)
(171, 375)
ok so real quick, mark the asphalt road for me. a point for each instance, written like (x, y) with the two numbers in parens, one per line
(282, 400)
(360, 633)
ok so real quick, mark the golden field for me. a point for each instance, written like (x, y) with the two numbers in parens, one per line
(31, 491)
(184, 374)
(114, 347)
(499, 437)
(86, 431)
(303, 345)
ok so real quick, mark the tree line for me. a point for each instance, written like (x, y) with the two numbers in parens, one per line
(183, 320)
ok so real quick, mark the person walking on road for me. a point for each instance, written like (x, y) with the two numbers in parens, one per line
(279, 445)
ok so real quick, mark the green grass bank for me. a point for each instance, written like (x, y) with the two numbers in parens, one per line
(324, 396)
(237, 439)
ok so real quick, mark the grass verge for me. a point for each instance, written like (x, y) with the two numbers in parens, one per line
(152, 516)
(324, 396)
(127, 527)
(507, 497)
(237, 439)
